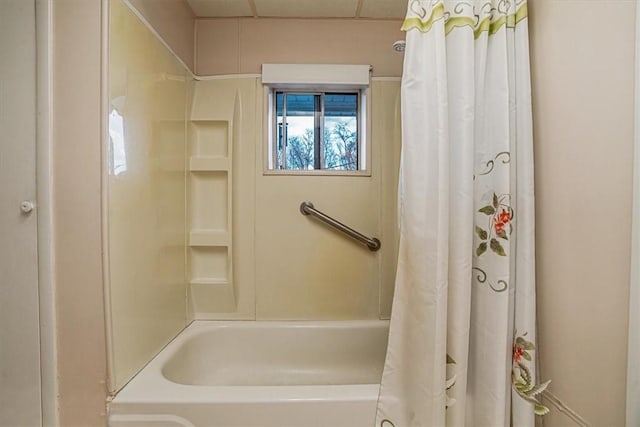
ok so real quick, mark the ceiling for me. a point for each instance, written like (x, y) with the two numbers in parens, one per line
(367, 9)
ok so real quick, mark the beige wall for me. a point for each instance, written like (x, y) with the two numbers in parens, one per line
(175, 22)
(231, 46)
(76, 212)
(582, 69)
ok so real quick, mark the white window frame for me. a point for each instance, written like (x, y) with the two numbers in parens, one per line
(317, 78)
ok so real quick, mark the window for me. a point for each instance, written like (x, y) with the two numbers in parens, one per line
(316, 118)
(316, 130)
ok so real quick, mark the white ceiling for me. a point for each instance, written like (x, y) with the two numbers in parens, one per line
(372, 9)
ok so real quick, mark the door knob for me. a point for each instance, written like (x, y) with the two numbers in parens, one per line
(26, 206)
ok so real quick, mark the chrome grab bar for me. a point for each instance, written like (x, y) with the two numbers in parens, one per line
(306, 208)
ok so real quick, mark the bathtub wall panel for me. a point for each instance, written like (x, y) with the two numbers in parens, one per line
(220, 201)
(281, 264)
(386, 132)
(146, 193)
(309, 271)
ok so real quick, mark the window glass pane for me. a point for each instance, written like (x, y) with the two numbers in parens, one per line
(278, 130)
(341, 131)
(300, 130)
(310, 135)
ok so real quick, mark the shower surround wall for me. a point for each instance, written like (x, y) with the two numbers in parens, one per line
(308, 271)
(193, 221)
(245, 224)
(146, 194)
(221, 210)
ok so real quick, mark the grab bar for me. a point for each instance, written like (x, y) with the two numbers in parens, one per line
(306, 208)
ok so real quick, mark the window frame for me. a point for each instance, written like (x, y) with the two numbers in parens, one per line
(270, 120)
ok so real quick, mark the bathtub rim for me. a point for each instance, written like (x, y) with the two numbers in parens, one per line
(150, 385)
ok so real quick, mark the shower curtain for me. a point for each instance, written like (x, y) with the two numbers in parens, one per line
(462, 336)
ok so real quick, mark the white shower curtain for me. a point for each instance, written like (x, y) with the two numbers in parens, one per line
(461, 345)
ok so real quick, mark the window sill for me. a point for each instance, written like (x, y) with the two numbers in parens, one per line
(278, 172)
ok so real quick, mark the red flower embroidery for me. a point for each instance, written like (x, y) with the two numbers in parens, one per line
(505, 216)
(517, 353)
(501, 220)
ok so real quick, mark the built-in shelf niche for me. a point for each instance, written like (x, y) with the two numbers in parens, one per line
(209, 201)
(210, 138)
(209, 265)
(210, 216)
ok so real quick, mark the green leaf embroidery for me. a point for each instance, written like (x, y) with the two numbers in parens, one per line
(526, 355)
(450, 360)
(536, 390)
(528, 398)
(527, 345)
(525, 373)
(495, 201)
(487, 210)
(539, 409)
(497, 247)
(502, 234)
(482, 248)
(482, 234)
(521, 387)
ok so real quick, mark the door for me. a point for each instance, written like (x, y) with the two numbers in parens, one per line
(20, 395)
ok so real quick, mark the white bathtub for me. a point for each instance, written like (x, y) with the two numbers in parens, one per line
(262, 374)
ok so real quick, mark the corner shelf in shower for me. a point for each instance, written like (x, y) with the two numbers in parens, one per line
(209, 238)
(209, 164)
(210, 212)
(210, 138)
(208, 282)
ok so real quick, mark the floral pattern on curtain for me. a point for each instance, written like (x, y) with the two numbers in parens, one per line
(462, 337)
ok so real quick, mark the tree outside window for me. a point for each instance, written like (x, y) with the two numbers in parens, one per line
(320, 131)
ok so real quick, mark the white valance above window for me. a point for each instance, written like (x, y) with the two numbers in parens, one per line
(292, 75)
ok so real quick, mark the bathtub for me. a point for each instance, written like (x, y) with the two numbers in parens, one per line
(262, 374)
